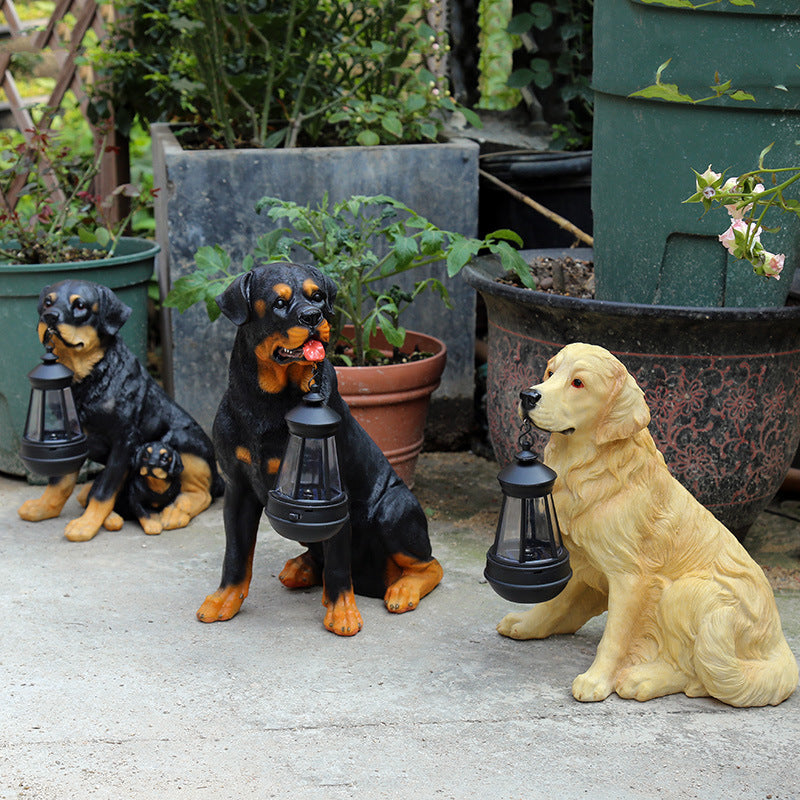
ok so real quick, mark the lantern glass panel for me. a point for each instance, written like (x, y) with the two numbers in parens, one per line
(33, 426)
(55, 415)
(525, 528)
(310, 470)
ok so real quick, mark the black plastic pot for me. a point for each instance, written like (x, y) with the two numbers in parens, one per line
(560, 181)
(723, 384)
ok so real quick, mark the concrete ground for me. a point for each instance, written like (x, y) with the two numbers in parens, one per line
(112, 689)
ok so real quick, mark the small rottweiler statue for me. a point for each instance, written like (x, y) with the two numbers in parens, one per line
(120, 407)
(153, 484)
(283, 314)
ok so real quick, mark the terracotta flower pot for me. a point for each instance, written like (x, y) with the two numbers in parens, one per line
(391, 403)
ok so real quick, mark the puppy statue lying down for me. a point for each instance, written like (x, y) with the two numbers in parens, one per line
(688, 609)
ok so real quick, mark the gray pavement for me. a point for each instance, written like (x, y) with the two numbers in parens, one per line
(112, 689)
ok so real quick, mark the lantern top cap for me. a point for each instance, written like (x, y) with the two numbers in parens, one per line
(51, 373)
(526, 476)
(313, 417)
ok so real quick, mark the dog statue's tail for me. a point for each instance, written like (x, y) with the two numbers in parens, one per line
(744, 663)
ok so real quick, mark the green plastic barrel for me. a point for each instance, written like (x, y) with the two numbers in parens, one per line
(649, 248)
(127, 273)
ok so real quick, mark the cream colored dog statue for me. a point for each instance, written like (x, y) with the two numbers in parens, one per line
(688, 609)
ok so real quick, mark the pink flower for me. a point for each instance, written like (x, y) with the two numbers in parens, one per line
(773, 265)
(734, 209)
(743, 229)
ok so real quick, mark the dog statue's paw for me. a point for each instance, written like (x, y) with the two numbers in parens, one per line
(343, 617)
(152, 526)
(589, 689)
(81, 530)
(113, 522)
(300, 572)
(174, 516)
(222, 605)
(36, 510)
(417, 579)
(522, 625)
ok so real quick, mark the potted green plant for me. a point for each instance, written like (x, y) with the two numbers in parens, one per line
(55, 226)
(295, 100)
(364, 244)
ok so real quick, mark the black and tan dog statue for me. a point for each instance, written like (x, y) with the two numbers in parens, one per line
(688, 609)
(283, 314)
(121, 408)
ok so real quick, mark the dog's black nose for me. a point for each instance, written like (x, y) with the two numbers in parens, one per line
(51, 318)
(311, 317)
(529, 398)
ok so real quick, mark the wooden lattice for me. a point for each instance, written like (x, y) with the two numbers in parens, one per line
(63, 35)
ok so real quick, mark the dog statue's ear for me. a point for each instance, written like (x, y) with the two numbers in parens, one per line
(234, 302)
(331, 290)
(113, 312)
(176, 464)
(626, 412)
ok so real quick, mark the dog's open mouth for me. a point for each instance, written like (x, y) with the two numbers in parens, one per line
(313, 350)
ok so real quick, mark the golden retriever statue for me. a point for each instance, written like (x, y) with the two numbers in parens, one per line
(688, 609)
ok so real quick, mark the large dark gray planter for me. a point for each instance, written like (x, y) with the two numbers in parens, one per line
(723, 384)
(209, 198)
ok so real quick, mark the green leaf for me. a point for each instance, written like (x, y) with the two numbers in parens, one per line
(542, 15)
(212, 260)
(520, 78)
(415, 102)
(740, 95)
(507, 234)
(85, 235)
(513, 262)
(431, 241)
(102, 236)
(212, 309)
(392, 124)
(405, 250)
(460, 253)
(368, 139)
(471, 117)
(663, 91)
(521, 23)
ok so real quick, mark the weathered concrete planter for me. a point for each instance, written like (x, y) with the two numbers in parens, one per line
(208, 198)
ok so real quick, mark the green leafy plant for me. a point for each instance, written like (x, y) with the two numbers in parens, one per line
(555, 65)
(57, 216)
(361, 243)
(278, 74)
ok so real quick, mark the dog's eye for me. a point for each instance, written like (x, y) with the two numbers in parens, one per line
(317, 297)
(548, 374)
(280, 303)
(79, 305)
(577, 383)
(48, 301)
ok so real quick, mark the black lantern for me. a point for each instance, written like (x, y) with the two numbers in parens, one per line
(527, 562)
(308, 503)
(53, 443)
